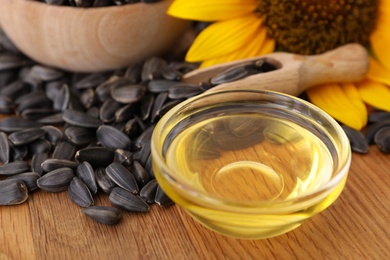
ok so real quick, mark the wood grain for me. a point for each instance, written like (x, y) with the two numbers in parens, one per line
(50, 226)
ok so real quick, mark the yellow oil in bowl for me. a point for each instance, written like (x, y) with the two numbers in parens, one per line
(250, 168)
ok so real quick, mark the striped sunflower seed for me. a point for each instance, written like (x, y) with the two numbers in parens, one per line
(382, 139)
(78, 118)
(122, 177)
(79, 193)
(64, 150)
(128, 201)
(52, 164)
(57, 180)
(28, 178)
(12, 192)
(4, 148)
(161, 198)
(103, 181)
(13, 124)
(26, 136)
(148, 192)
(96, 156)
(36, 162)
(103, 214)
(111, 137)
(357, 140)
(87, 174)
(13, 168)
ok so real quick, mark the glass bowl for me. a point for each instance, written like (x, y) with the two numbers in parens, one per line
(250, 164)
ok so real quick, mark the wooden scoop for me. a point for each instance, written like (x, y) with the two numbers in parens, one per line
(295, 73)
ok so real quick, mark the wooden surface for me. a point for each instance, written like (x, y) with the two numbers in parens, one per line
(356, 226)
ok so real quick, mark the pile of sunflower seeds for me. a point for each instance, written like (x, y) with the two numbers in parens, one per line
(89, 132)
(86, 133)
(94, 3)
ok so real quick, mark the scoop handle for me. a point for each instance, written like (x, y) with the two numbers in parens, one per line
(348, 63)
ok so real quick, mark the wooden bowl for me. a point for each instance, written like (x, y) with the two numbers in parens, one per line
(90, 39)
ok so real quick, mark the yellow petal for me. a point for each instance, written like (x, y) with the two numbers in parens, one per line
(224, 37)
(211, 10)
(374, 93)
(380, 38)
(267, 46)
(342, 104)
(378, 72)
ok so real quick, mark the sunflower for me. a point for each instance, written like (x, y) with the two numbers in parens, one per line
(246, 28)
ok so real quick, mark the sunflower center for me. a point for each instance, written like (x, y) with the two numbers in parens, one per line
(315, 26)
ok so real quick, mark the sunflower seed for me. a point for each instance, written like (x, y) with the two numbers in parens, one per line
(128, 201)
(91, 80)
(51, 164)
(38, 146)
(103, 214)
(161, 198)
(53, 134)
(17, 152)
(79, 193)
(158, 104)
(55, 119)
(12, 192)
(96, 156)
(15, 89)
(37, 113)
(103, 181)
(148, 192)
(378, 117)
(103, 91)
(13, 168)
(28, 178)
(182, 90)
(79, 135)
(145, 137)
(111, 137)
(45, 73)
(122, 177)
(131, 127)
(167, 106)
(124, 113)
(7, 105)
(11, 61)
(88, 98)
(64, 150)
(13, 124)
(149, 167)
(373, 129)
(108, 110)
(133, 72)
(146, 106)
(171, 73)
(151, 68)
(382, 139)
(39, 101)
(4, 148)
(143, 154)
(123, 157)
(57, 180)
(62, 100)
(78, 118)
(26, 136)
(357, 140)
(160, 85)
(128, 94)
(139, 173)
(86, 173)
(232, 74)
(36, 162)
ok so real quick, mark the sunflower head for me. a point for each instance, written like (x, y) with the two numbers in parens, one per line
(316, 26)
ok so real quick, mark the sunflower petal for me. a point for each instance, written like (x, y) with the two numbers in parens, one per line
(380, 38)
(211, 10)
(378, 72)
(224, 37)
(342, 104)
(260, 45)
(375, 93)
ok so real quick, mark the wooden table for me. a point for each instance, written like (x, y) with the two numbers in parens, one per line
(356, 226)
